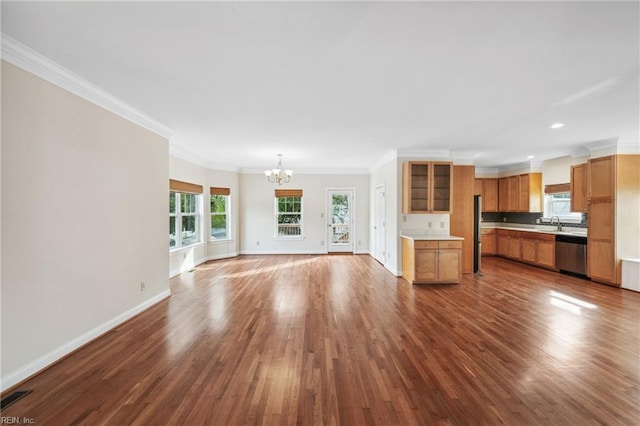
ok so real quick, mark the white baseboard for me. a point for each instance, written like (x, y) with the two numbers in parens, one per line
(283, 252)
(49, 358)
(223, 256)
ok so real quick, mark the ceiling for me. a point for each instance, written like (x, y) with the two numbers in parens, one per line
(338, 85)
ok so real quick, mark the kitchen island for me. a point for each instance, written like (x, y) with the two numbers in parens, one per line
(431, 259)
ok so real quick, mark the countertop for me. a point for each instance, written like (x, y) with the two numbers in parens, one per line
(545, 229)
(418, 237)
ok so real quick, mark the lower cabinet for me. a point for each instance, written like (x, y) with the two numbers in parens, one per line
(530, 247)
(431, 261)
(502, 237)
(488, 237)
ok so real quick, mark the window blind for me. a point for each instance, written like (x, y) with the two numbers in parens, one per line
(281, 193)
(219, 191)
(557, 189)
(179, 186)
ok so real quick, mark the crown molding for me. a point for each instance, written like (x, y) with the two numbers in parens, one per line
(388, 157)
(427, 154)
(311, 171)
(31, 61)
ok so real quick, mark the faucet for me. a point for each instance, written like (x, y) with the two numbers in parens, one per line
(559, 228)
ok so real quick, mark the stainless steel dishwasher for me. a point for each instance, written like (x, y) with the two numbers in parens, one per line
(571, 254)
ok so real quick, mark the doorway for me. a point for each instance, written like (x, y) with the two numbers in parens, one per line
(340, 218)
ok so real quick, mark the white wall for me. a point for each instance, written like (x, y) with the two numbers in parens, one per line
(387, 174)
(257, 212)
(84, 202)
(183, 259)
(558, 170)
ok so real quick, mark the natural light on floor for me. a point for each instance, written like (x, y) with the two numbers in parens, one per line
(569, 303)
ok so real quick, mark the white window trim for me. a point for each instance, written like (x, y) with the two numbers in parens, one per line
(275, 222)
(576, 217)
(178, 215)
(227, 209)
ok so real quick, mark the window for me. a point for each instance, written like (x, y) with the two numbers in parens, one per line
(220, 213)
(184, 214)
(288, 213)
(559, 204)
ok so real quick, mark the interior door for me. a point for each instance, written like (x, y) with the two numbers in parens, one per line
(379, 213)
(340, 218)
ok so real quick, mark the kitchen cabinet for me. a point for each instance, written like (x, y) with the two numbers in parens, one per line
(613, 197)
(503, 194)
(489, 242)
(514, 190)
(521, 193)
(502, 239)
(488, 189)
(538, 249)
(515, 249)
(579, 188)
(431, 261)
(426, 187)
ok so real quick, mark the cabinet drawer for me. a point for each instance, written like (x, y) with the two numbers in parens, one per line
(487, 231)
(450, 244)
(425, 244)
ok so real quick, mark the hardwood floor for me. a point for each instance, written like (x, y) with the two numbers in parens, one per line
(339, 340)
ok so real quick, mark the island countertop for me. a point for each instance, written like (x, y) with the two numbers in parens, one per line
(418, 237)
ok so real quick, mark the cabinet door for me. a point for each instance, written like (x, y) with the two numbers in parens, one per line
(600, 244)
(449, 265)
(513, 193)
(415, 187)
(514, 247)
(503, 194)
(529, 250)
(600, 261)
(488, 243)
(441, 188)
(601, 177)
(547, 254)
(426, 265)
(477, 186)
(579, 188)
(523, 193)
(503, 244)
(490, 195)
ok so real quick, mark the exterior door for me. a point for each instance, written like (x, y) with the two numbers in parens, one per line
(340, 218)
(379, 213)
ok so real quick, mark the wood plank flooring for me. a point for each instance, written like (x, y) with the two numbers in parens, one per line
(337, 340)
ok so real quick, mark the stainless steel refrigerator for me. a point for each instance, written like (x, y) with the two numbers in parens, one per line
(477, 234)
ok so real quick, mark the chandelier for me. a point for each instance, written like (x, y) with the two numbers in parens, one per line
(278, 175)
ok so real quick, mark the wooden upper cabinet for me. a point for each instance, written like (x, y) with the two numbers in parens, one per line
(530, 195)
(579, 188)
(426, 187)
(488, 189)
(522, 193)
(602, 173)
(514, 190)
(503, 194)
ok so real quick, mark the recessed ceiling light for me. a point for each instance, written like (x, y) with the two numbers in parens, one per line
(557, 125)
(529, 157)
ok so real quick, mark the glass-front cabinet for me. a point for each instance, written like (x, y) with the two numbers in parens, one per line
(426, 187)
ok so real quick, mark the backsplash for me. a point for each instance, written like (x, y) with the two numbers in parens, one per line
(525, 218)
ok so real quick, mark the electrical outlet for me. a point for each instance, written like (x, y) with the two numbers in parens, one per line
(321, 215)
(404, 218)
(257, 243)
(143, 287)
(359, 242)
(442, 225)
(321, 242)
(429, 224)
(538, 221)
